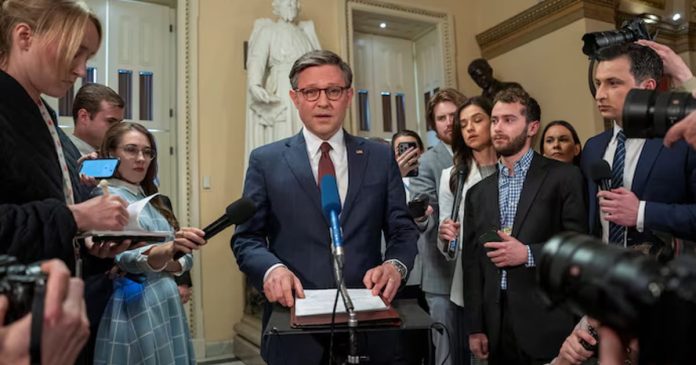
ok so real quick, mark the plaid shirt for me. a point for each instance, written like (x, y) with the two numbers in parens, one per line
(509, 191)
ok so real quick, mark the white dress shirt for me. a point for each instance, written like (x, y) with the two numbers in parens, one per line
(634, 147)
(82, 146)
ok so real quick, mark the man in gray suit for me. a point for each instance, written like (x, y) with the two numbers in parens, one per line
(437, 272)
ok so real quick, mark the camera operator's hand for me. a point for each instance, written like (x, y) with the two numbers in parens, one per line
(572, 351)
(408, 161)
(673, 64)
(478, 344)
(620, 206)
(508, 252)
(65, 324)
(684, 129)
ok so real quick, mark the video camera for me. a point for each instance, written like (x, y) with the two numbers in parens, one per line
(626, 290)
(19, 283)
(650, 113)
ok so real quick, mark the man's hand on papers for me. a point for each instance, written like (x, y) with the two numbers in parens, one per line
(384, 279)
(279, 286)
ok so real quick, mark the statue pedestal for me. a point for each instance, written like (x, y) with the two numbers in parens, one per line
(247, 342)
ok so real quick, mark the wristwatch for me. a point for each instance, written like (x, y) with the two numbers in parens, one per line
(401, 268)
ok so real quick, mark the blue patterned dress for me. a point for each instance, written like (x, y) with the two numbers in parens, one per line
(144, 322)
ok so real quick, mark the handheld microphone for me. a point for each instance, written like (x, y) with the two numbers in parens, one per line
(454, 244)
(331, 206)
(236, 213)
(600, 173)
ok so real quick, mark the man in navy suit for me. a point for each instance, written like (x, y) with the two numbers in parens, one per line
(656, 199)
(285, 247)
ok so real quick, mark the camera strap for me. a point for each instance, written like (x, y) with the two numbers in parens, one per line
(37, 314)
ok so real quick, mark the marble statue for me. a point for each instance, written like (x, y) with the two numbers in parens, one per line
(273, 48)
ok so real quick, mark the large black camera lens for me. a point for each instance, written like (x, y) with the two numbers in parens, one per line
(606, 282)
(630, 32)
(649, 113)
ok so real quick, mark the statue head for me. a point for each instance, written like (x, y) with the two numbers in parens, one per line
(481, 72)
(286, 9)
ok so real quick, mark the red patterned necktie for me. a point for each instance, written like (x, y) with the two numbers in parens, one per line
(326, 166)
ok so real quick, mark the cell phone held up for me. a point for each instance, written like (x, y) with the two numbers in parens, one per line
(418, 206)
(100, 168)
(401, 149)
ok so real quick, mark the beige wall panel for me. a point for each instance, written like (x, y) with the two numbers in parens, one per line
(492, 12)
(554, 71)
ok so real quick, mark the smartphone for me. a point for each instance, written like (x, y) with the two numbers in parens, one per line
(490, 236)
(100, 168)
(403, 147)
(418, 206)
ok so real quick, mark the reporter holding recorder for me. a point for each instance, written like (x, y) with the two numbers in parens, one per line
(145, 308)
(44, 47)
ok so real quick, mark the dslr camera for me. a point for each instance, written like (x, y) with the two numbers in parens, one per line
(630, 31)
(650, 113)
(19, 283)
(630, 292)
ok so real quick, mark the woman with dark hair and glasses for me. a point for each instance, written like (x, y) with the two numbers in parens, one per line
(560, 141)
(144, 318)
(474, 158)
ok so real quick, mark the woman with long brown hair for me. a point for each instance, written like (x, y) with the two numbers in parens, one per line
(474, 158)
(144, 321)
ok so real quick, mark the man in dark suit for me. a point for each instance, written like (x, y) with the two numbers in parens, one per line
(509, 216)
(652, 198)
(285, 246)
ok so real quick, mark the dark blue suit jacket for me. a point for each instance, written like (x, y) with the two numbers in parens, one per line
(289, 227)
(665, 179)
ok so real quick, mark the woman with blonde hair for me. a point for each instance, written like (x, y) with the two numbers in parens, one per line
(44, 48)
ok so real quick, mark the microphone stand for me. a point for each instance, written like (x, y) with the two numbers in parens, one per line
(337, 252)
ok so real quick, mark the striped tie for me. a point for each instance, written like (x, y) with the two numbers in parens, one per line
(616, 232)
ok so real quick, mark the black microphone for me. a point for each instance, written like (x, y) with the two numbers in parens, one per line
(600, 173)
(236, 213)
(453, 245)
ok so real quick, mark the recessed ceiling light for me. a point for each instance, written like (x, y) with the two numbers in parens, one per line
(676, 17)
(382, 25)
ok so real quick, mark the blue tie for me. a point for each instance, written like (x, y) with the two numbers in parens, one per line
(616, 232)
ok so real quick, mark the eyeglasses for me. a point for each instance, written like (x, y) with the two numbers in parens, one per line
(333, 93)
(133, 151)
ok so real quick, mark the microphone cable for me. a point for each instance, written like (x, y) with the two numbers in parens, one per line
(440, 327)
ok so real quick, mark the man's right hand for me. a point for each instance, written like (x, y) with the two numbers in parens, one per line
(478, 344)
(105, 212)
(572, 351)
(279, 285)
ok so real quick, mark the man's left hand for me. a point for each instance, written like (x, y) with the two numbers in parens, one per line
(620, 206)
(384, 279)
(508, 252)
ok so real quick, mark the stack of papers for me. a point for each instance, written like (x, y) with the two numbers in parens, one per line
(318, 302)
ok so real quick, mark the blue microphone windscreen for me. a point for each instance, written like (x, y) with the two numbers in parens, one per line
(330, 200)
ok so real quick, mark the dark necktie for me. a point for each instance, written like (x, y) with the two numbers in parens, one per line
(616, 232)
(326, 166)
